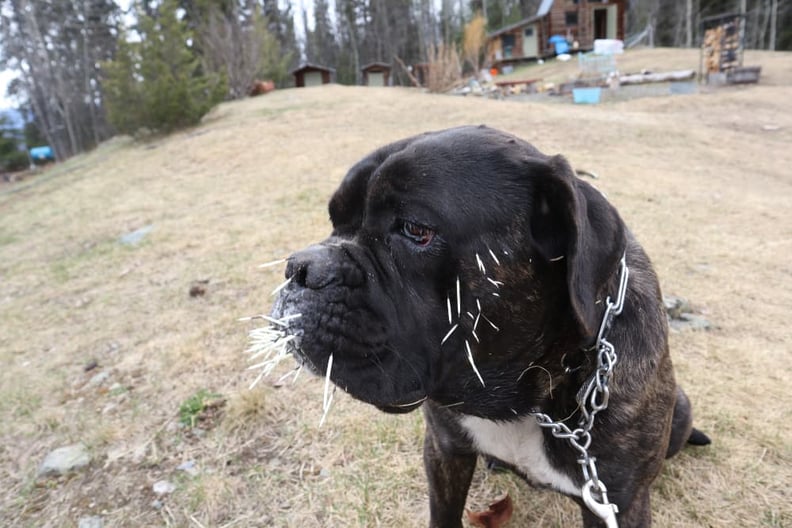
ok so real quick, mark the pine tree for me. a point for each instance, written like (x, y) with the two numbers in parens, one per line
(11, 157)
(158, 83)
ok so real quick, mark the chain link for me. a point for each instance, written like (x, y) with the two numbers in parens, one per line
(592, 398)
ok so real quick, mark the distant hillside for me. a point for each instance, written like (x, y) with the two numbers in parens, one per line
(12, 119)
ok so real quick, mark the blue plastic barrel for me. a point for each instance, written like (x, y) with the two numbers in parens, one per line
(560, 44)
(42, 153)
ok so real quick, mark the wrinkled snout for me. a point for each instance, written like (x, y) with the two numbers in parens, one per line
(322, 265)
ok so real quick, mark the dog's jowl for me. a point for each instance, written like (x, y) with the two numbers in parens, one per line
(473, 276)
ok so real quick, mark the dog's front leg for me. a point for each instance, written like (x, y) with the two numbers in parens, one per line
(449, 459)
(449, 474)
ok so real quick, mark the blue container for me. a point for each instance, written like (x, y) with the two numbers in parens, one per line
(42, 153)
(586, 95)
(559, 43)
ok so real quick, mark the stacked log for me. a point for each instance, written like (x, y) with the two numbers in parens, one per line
(721, 47)
(712, 49)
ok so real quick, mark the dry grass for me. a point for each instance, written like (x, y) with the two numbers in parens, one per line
(445, 68)
(705, 188)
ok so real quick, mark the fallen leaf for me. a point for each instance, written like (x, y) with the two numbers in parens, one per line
(497, 515)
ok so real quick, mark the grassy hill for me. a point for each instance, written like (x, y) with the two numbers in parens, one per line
(103, 344)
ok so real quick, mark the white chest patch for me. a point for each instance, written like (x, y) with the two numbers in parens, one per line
(521, 444)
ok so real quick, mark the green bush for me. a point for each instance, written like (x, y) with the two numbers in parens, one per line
(11, 158)
(15, 161)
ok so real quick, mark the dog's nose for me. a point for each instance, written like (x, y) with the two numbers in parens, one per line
(319, 266)
(311, 267)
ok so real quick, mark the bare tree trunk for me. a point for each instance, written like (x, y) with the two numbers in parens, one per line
(47, 126)
(651, 41)
(679, 25)
(308, 47)
(65, 111)
(762, 29)
(448, 20)
(87, 78)
(773, 23)
(355, 51)
(233, 44)
(52, 81)
(412, 77)
(688, 23)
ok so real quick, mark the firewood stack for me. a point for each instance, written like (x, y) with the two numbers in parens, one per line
(712, 49)
(721, 47)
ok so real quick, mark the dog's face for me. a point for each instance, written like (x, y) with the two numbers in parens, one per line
(455, 261)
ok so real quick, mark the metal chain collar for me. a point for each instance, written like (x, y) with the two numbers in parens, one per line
(593, 398)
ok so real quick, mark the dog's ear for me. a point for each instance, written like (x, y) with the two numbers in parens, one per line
(573, 225)
(346, 204)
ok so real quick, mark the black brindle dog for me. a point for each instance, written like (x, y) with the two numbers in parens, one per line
(470, 274)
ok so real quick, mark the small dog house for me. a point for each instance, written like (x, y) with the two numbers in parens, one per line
(312, 75)
(376, 74)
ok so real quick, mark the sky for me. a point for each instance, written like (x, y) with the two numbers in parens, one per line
(5, 78)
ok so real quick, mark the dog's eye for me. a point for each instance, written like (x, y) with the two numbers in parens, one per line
(420, 235)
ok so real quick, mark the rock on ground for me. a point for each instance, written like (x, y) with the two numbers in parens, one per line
(163, 487)
(91, 522)
(65, 459)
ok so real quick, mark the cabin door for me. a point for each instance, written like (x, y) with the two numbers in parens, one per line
(605, 22)
(376, 79)
(530, 42)
(313, 78)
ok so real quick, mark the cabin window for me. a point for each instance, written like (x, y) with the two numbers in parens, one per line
(507, 43)
(529, 32)
(571, 18)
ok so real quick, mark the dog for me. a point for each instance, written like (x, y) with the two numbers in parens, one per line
(471, 275)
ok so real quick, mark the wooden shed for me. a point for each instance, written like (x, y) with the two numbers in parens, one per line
(376, 74)
(312, 75)
(579, 21)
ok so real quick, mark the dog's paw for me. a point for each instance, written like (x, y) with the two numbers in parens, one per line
(698, 438)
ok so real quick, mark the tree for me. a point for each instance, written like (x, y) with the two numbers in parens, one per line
(281, 24)
(56, 45)
(237, 43)
(12, 158)
(159, 83)
(348, 14)
(768, 23)
(243, 40)
(32, 134)
(321, 46)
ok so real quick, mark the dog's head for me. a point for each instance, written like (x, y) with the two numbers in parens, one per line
(458, 260)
